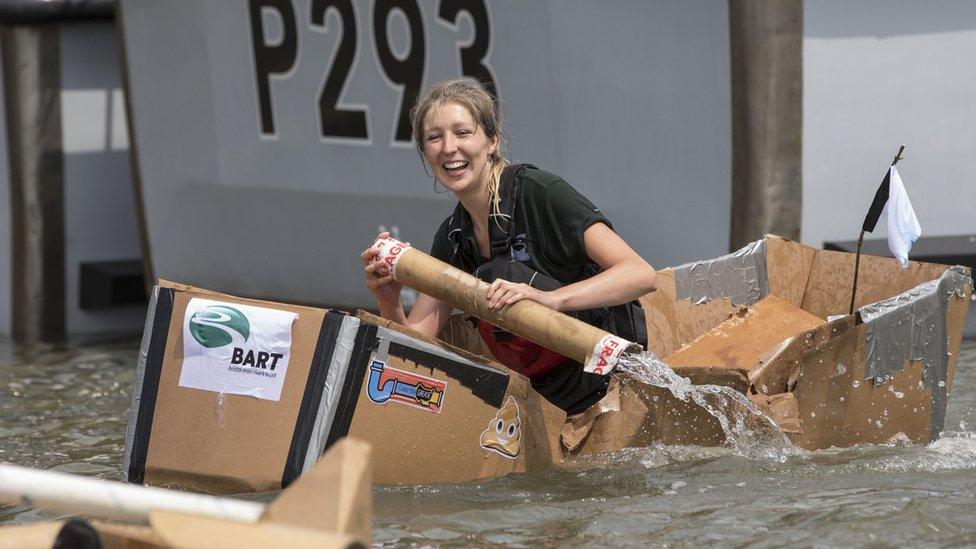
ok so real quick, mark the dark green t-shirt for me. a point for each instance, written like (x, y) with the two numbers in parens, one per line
(550, 218)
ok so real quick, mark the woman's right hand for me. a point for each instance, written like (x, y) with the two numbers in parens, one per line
(379, 279)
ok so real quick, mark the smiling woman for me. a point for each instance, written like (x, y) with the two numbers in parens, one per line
(527, 233)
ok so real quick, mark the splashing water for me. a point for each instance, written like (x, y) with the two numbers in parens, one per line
(748, 431)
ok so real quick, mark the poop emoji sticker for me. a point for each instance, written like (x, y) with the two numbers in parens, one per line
(504, 432)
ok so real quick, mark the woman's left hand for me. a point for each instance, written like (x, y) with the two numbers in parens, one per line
(502, 293)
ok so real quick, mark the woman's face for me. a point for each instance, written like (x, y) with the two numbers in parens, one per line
(457, 149)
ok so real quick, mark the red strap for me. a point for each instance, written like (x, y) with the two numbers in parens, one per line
(520, 354)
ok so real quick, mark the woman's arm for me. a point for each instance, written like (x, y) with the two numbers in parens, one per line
(625, 276)
(428, 315)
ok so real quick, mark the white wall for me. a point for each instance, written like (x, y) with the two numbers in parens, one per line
(878, 74)
(100, 217)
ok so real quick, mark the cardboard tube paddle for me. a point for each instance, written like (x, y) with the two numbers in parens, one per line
(598, 350)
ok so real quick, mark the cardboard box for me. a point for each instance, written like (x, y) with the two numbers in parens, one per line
(816, 379)
(412, 398)
(756, 321)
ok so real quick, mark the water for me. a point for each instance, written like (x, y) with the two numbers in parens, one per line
(748, 432)
(65, 407)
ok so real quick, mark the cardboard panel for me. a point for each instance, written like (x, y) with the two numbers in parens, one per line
(740, 341)
(832, 275)
(956, 318)
(838, 407)
(462, 333)
(777, 370)
(459, 442)
(788, 266)
(240, 447)
(643, 414)
(673, 322)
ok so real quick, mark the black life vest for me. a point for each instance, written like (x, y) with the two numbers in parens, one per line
(626, 320)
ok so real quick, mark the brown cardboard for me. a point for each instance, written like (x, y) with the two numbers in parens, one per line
(462, 332)
(42, 535)
(192, 532)
(542, 325)
(673, 322)
(806, 373)
(829, 286)
(741, 340)
(330, 506)
(410, 446)
(189, 448)
(788, 266)
(345, 474)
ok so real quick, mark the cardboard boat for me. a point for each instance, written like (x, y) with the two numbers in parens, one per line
(331, 506)
(440, 411)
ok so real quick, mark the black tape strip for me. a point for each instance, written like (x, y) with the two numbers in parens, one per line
(486, 383)
(878, 204)
(366, 342)
(314, 385)
(150, 385)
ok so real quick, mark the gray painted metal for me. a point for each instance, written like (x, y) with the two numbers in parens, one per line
(740, 277)
(14, 12)
(99, 207)
(6, 253)
(767, 118)
(31, 75)
(130, 428)
(627, 100)
(912, 326)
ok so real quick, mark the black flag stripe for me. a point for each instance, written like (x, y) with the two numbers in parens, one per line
(877, 206)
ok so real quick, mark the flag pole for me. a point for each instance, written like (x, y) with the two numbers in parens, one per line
(860, 241)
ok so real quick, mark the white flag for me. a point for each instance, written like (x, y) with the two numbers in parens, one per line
(903, 227)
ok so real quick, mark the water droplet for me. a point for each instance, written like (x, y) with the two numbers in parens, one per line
(221, 408)
(855, 384)
(842, 399)
(941, 383)
(813, 414)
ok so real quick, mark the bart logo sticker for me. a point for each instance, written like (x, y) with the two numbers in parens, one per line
(503, 433)
(216, 326)
(236, 349)
(387, 384)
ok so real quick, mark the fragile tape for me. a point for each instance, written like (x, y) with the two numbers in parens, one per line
(391, 250)
(606, 354)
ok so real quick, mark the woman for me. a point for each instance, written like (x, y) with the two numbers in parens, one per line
(524, 230)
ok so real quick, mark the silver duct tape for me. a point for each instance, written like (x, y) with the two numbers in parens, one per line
(387, 336)
(334, 381)
(740, 277)
(130, 429)
(912, 326)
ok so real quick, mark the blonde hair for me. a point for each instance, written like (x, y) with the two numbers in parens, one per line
(481, 104)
